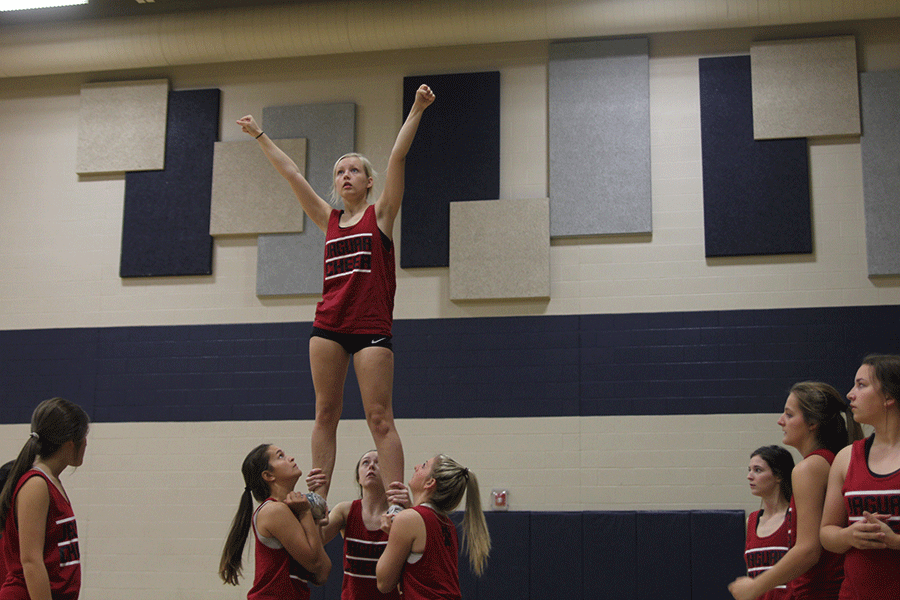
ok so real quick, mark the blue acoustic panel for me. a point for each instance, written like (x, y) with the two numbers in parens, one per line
(291, 264)
(717, 551)
(663, 541)
(610, 554)
(755, 193)
(455, 157)
(165, 229)
(880, 144)
(555, 562)
(599, 137)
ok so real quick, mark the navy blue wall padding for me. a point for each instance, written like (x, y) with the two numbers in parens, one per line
(663, 552)
(455, 157)
(755, 193)
(507, 574)
(609, 551)
(165, 228)
(623, 364)
(556, 564)
(332, 587)
(717, 553)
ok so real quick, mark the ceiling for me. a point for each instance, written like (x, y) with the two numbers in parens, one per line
(101, 9)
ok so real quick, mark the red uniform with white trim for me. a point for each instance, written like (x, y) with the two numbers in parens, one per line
(359, 279)
(278, 576)
(435, 575)
(870, 574)
(61, 553)
(362, 549)
(762, 553)
(823, 580)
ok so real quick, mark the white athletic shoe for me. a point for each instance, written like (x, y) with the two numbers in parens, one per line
(394, 509)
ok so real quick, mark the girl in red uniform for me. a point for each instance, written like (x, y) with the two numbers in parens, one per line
(40, 538)
(769, 475)
(816, 422)
(862, 507)
(360, 523)
(289, 551)
(422, 551)
(354, 317)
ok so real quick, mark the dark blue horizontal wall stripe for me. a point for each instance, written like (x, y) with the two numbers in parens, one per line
(633, 364)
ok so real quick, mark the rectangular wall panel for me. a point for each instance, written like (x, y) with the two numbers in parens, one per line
(717, 551)
(165, 229)
(805, 88)
(291, 264)
(755, 193)
(248, 195)
(455, 157)
(500, 249)
(599, 138)
(122, 126)
(880, 144)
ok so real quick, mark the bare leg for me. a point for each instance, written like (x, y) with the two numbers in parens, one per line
(328, 362)
(375, 372)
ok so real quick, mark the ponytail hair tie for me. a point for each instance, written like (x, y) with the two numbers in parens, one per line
(247, 489)
(35, 435)
(466, 473)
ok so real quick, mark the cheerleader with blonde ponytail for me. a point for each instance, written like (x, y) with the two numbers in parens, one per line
(422, 551)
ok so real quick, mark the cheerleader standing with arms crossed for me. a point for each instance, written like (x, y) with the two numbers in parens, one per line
(354, 317)
(40, 538)
(862, 507)
(815, 422)
(768, 538)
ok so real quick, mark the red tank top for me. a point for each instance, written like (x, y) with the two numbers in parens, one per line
(359, 280)
(61, 554)
(763, 552)
(362, 549)
(823, 580)
(870, 573)
(278, 576)
(435, 576)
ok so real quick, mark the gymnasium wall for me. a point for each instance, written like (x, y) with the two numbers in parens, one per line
(656, 370)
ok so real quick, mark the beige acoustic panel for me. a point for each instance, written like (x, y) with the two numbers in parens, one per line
(248, 195)
(500, 249)
(805, 88)
(122, 126)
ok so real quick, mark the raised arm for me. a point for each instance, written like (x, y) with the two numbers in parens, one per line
(407, 535)
(299, 536)
(317, 209)
(388, 204)
(809, 479)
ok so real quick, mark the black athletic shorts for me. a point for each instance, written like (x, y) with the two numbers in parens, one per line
(354, 342)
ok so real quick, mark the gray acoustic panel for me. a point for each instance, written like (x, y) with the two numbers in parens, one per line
(291, 264)
(500, 249)
(880, 144)
(248, 195)
(599, 138)
(122, 126)
(805, 88)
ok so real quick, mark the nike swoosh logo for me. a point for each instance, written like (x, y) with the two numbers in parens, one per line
(378, 340)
